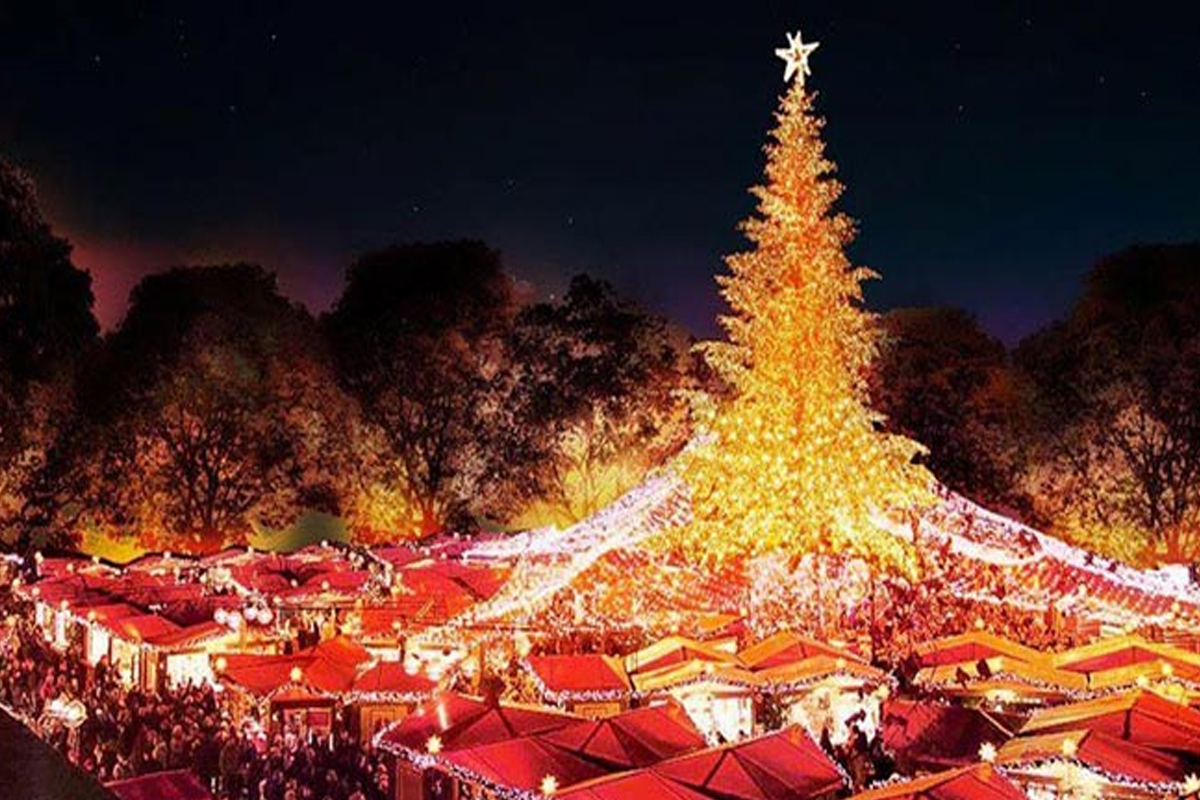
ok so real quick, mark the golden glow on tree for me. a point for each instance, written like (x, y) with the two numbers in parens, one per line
(796, 460)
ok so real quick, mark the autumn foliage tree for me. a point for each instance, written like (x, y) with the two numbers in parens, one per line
(796, 460)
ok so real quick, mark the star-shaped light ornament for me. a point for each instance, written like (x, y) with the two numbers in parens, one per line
(795, 57)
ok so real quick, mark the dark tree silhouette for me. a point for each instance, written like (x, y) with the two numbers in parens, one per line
(46, 326)
(1118, 389)
(419, 336)
(943, 381)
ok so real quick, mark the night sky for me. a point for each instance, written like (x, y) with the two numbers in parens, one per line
(992, 150)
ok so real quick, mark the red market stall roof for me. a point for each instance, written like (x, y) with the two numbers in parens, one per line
(330, 668)
(459, 722)
(785, 765)
(634, 739)
(523, 764)
(1144, 674)
(696, 671)
(639, 785)
(109, 612)
(575, 675)
(191, 636)
(973, 646)
(797, 674)
(998, 672)
(787, 647)
(1124, 651)
(1141, 717)
(978, 782)
(142, 628)
(178, 784)
(930, 735)
(77, 590)
(389, 680)
(672, 651)
(1113, 757)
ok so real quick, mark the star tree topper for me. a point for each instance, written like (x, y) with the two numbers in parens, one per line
(795, 56)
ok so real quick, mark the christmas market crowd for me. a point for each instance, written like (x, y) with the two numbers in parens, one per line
(129, 732)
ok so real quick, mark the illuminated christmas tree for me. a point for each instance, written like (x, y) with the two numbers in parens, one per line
(797, 461)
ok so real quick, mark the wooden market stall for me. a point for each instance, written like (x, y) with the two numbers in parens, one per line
(784, 765)
(590, 685)
(1092, 764)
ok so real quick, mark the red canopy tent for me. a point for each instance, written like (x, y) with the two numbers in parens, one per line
(178, 784)
(633, 739)
(978, 782)
(930, 735)
(785, 765)
(1143, 718)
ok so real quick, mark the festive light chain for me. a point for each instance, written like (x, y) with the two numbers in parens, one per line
(1013, 770)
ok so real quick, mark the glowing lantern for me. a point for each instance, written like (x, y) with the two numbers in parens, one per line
(549, 785)
(434, 745)
(295, 675)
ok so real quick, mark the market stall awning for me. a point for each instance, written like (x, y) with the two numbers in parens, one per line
(178, 784)
(931, 735)
(786, 648)
(524, 763)
(1124, 651)
(696, 672)
(1168, 673)
(141, 628)
(1114, 757)
(973, 646)
(817, 669)
(672, 651)
(633, 739)
(1142, 717)
(638, 785)
(191, 636)
(978, 782)
(1003, 674)
(389, 679)
(785, 765)
(459, 721)
(328, 668)
(585, 675)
